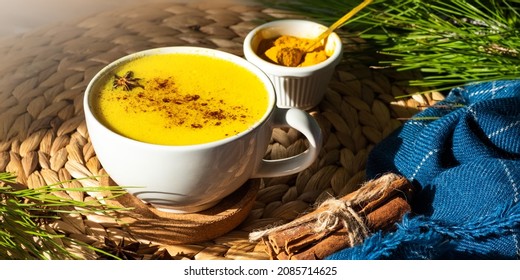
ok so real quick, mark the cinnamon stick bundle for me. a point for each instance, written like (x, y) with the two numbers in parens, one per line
(340, 223)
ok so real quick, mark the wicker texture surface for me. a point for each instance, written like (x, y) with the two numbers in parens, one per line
(43, 137)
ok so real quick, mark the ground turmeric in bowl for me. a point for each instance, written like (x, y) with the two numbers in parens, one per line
(288, 50)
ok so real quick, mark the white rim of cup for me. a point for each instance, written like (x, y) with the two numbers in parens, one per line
(251, 55)
(106, 71)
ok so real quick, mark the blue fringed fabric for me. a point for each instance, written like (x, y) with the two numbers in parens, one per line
(466, 165)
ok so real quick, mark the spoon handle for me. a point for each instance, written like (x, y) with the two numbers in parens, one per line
(339, 22)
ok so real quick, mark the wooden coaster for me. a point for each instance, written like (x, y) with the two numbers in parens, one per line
(147, 223)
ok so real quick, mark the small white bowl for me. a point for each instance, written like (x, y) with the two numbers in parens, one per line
(298, 87)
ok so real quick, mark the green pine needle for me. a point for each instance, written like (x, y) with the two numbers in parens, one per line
(24, 213)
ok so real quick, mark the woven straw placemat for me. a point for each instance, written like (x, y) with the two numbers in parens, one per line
(43, 137)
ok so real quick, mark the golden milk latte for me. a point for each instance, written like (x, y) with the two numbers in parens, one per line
(180, 99)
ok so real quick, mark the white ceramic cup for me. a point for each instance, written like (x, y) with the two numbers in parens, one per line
(194, 178)
(298, 87)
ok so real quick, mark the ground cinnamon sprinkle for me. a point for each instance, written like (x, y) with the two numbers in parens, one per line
(270, 49)
(188, 110)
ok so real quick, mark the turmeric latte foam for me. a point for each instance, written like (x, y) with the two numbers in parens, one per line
(180, 99)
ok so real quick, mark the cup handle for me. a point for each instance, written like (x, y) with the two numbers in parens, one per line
(303, 122)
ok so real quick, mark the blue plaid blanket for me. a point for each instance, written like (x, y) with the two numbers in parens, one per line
(464, 156)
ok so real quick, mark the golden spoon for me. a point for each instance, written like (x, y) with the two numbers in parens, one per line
(293, 56)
